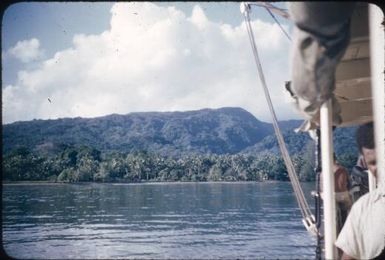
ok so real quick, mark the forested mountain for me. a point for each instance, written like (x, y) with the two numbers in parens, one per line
(218, 131)
(205, 145)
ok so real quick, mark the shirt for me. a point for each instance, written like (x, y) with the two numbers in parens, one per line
(363, 235)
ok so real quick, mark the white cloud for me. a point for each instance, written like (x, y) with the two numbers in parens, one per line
(26, 51)
(154, 59)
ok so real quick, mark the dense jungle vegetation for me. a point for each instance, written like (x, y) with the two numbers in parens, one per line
(85, 164)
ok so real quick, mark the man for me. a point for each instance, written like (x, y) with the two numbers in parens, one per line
(363, 235)
(365, 143)
(359, 179)
(342, 196)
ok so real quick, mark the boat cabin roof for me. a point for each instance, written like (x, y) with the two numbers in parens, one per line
(353, 83)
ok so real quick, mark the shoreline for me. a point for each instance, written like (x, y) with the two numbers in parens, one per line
(125, 183)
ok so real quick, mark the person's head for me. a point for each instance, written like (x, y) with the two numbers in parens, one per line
(365, 142)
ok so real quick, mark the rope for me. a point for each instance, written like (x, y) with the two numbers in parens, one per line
(280, 26)
(308, 218)
(280, 11)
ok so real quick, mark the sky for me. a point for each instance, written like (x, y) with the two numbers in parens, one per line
(89, 59)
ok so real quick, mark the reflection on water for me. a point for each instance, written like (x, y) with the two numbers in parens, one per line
(171, 220)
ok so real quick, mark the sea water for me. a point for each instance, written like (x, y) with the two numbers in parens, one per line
(157, 221)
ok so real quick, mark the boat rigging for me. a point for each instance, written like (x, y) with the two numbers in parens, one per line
(308, 218)
(359, 91)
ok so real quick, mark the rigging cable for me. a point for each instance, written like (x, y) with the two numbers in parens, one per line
(307, 217)
(280, 26)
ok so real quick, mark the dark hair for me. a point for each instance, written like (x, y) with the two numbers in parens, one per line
(365, 136)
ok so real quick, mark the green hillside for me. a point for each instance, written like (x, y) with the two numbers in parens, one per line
(205, 145)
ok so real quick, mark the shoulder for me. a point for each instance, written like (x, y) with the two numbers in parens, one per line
(341, 172)
(341, 169)
(362, 234)
(366, 202)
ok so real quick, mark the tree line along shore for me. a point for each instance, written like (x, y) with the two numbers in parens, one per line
(87, 164)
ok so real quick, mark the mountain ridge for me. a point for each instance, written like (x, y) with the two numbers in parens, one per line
(227, 130)
(223, 130)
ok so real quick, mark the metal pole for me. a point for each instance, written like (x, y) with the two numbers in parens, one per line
(371, 181)
(317, 197)
(377, 42)
(328, 180)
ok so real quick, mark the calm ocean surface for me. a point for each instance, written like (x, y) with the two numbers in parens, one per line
(168, 220)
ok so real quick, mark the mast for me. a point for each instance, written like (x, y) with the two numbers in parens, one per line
(377, 43)
(328, 180)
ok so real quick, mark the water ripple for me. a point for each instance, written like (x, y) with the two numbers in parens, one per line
(189, 221)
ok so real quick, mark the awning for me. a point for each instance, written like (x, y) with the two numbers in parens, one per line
(353, 86)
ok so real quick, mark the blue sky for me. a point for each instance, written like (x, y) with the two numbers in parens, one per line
(93, 59)
(54, 24)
